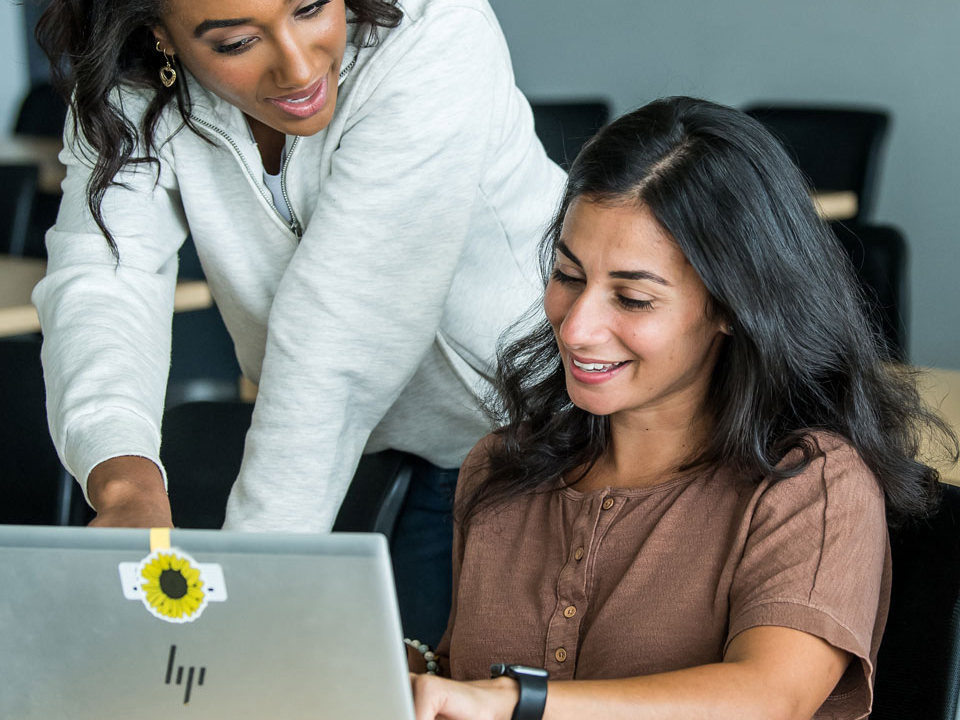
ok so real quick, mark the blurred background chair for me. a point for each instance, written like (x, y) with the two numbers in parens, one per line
(918, 668)
(36, 488)
(42, 112)
(203, 363)
(202, 450)
(564, 127)
(19, 183)
(838, 149)
(879, 254)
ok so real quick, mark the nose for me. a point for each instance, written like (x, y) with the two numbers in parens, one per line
(587, 322)
(294, 66)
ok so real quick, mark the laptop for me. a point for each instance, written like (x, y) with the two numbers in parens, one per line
(111, 624)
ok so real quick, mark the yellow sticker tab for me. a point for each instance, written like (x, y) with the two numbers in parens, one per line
(159, 539)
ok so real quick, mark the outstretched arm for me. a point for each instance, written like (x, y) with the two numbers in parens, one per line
(768, 673)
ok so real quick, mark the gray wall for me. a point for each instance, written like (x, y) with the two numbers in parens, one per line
(903, 56)
(13, 63)
(889, 53)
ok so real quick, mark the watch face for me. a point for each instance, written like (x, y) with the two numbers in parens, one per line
(498, 669)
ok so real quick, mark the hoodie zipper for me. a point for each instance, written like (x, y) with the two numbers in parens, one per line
(294, 224)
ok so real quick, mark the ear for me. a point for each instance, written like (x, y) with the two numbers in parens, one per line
(726, 327)
(163, 40)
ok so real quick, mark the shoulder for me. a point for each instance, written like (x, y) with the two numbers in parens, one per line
(836, 485)
(415, 11)
(432, 24)
(475, 469)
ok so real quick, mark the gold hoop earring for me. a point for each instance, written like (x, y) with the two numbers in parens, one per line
(168, 74)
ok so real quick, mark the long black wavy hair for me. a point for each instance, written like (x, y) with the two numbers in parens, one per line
(802, 355)
(96, 46)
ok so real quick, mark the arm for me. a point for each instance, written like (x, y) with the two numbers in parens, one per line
(768, 673)
(362, 299)
(106, 324)
(128, 491)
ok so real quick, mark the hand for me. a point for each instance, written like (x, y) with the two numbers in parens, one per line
(436, 698)
(128, 492)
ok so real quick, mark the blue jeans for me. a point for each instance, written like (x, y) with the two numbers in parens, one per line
(422, 550)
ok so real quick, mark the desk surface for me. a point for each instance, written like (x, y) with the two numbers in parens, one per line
(941, 391)
(39, 151)
(19, 275)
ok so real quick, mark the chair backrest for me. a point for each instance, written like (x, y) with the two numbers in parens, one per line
(564, 127)
(30, 472)
(202, 450)
(16, 206)
(879, 254)
(836, 148)
(918, 668)
(42, 112)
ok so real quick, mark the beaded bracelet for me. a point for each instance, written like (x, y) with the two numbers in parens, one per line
(432, 667)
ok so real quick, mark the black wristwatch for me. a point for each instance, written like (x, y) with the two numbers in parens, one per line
(533, 689)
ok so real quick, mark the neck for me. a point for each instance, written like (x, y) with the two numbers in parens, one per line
(270, 143)
(646, 451)
(649, 449)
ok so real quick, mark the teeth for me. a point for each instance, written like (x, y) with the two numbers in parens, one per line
(301, 100)
(594, 367)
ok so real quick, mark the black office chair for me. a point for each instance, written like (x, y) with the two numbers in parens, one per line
(42, 113)
(918, 668)
(202, 450)
(31, 477)
(836, 148)
(564, 127)
(203, 362)
(879, 255)
(19, 183)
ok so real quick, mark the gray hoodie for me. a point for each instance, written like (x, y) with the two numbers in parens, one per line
(368, 321)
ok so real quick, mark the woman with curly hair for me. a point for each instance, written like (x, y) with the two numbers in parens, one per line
(365, 191)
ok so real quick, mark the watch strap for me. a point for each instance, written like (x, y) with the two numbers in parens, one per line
(533, 689)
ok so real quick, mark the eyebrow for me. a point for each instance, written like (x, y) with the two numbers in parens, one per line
(208, 25)
(617, 274)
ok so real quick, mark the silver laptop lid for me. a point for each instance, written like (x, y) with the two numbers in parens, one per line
(95, 623)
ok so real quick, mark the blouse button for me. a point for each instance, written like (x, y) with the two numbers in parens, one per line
(607, 504)
(561, 654)
(569, 611)
(578, 555)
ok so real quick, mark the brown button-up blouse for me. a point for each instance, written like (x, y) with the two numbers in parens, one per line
(624, 582)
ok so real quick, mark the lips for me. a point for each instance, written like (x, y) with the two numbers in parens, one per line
(303, 103)
(594, 372)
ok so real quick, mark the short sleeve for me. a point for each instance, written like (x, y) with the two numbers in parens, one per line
(817, 560)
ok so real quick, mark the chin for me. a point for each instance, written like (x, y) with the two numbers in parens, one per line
(594, 406)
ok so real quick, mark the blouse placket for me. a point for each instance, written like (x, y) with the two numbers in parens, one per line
(563, 630)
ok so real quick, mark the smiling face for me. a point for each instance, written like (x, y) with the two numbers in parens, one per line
(631, 316)
(276, 60)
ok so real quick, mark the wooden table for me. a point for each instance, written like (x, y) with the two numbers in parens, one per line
(836, 205)
(941, 390)
(39, 151)
(19, 275)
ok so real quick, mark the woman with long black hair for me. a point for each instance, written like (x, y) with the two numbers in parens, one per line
(685, 511)
(365, 191)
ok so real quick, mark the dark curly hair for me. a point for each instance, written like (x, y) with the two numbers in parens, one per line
(96, 46)
(802, 356)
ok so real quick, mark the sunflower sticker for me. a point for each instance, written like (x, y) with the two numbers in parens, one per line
(170, 583)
